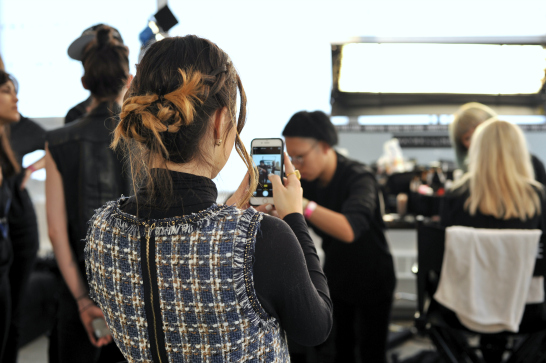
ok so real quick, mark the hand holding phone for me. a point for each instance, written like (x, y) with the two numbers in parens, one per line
(90, 316)
(100, 328)
(288, 197)
(267, 155)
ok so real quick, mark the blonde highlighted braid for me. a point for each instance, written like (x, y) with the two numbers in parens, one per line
(135, 111)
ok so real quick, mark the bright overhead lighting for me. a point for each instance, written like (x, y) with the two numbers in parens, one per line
(442, 68)
(398, 119)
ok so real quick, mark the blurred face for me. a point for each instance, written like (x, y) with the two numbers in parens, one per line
(8, 104)
(467, 136)
(308, 156)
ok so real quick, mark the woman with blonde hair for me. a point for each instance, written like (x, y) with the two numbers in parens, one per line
(465, 121)
(178, 277)
(499, 191)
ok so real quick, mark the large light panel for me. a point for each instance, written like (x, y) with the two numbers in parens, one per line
(442, 68)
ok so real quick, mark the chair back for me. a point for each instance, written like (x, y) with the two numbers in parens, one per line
(430, 253)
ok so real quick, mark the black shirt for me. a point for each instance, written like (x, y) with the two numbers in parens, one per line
(6, 251)
(365, 265)
(538, 167)
(288, 279)
(26, 136)
(77, 111)
(92, 173)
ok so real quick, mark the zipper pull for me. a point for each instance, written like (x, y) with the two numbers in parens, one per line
(149, 230)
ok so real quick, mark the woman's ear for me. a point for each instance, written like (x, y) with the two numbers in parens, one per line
(220, 122)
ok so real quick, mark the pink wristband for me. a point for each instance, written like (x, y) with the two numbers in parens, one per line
(311, 206)
(32, 168)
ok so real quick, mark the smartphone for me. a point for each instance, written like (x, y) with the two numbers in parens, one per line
(268, 158)
(100, 328)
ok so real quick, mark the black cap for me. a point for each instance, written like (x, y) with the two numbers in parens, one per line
(315, 125)
(75, 50)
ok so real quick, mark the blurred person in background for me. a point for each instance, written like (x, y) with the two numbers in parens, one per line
(83, 174)
(9, 169)
(76, 51)
(341, 204)
(25, 137)
(498, 191)
(6, 256)
(465, 121)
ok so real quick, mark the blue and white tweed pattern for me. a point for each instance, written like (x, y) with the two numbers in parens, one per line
(209, 309)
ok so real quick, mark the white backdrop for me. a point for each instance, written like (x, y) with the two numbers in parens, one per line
(281, 48)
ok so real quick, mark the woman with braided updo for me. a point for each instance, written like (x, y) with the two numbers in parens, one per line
(178, 277)
(83, 173)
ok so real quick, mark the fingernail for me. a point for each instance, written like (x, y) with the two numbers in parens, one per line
(268, 207)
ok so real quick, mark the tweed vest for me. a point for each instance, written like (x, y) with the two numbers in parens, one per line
(181, 289)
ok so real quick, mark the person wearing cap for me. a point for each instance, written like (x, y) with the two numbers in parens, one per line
(76, 51)
(82, 174)
(341, 204)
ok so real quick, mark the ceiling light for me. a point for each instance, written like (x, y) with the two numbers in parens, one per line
(410, 68)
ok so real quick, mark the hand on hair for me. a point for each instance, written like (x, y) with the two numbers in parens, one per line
(287, 197)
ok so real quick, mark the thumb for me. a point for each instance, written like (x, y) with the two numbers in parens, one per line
(276, 181)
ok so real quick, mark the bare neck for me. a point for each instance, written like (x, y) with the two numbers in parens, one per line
(97, 101)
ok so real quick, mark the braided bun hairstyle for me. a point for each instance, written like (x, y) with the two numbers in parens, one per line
(106, 65)
(179, 85)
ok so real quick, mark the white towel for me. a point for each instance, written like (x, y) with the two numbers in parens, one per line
(486, 276)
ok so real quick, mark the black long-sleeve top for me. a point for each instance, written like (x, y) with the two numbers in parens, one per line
(26, 136)
(364, 268)
(288, 278)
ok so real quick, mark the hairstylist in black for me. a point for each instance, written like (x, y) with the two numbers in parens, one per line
(342, 205)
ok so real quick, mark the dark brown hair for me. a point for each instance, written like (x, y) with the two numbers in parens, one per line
(179, 85)
(106, 65)
(7, 158)
(316, 125)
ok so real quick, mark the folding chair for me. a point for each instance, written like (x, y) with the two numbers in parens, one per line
(449, 336)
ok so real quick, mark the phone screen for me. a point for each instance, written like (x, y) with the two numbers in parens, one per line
(268, 161)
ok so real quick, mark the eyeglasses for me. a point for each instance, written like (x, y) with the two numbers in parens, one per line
(300, 158)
